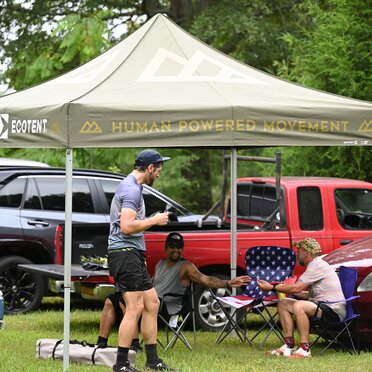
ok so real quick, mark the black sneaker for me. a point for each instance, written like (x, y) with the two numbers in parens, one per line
(159, 366)
(126, 368)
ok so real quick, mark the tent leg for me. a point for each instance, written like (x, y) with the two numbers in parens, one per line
(67, 259)
(233, 224)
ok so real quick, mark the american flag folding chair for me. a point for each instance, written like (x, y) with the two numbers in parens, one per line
(273, 264)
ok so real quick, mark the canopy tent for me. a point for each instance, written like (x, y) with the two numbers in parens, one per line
(161, 87)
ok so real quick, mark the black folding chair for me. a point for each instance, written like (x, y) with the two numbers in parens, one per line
(273, 264)
(175, 324)
(340, 334)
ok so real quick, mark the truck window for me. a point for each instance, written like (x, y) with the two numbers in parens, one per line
(257, 201)
(354, 208)
(310, 208)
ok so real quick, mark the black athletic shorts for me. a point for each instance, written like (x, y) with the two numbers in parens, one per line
(328, 315)
(129, 270)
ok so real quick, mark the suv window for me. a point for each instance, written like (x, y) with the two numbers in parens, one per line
(153, 203)
(109, 187)
(11, 194)
(32, 198)
(310, 208)
(50, 193)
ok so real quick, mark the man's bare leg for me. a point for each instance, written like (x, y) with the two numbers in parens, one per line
(107, 320)
(129, 325)
(303, 310)
(285, 310)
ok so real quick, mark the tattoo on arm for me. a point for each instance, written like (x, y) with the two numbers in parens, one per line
(215, 282)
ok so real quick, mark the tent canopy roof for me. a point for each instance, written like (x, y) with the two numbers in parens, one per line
(161, 87)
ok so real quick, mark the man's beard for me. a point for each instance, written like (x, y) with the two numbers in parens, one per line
(301, 262)
(151, 180)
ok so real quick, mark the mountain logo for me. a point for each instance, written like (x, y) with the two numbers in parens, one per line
(366, 126)
(90, 128)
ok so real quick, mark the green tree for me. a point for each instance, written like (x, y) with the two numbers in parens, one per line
(328, 161)
(249, 31)
(331, 51)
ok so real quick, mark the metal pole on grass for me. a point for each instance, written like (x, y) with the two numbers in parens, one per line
(67, 260)
(233, 212)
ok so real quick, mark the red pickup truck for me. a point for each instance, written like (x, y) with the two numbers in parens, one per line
(332, 210)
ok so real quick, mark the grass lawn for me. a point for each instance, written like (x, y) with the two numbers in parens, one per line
(18, 345)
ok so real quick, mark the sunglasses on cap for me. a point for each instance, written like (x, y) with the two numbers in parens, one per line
(174, 245)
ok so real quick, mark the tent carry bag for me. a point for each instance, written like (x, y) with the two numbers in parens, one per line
(80, 351)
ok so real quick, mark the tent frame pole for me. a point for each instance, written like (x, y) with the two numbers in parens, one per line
(67, 259)
(234, 208)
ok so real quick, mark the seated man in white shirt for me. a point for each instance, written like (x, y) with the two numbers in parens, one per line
(319, 282)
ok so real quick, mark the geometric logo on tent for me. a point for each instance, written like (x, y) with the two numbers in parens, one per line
(366, 126)
(89, 127)
(170, 67)
(4, 122)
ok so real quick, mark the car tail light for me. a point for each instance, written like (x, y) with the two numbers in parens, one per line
(58, 246)
(366, 284)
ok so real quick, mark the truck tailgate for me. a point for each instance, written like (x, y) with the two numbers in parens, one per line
(57, 271)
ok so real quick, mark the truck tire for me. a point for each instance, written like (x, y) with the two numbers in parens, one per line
(208, 314)
(22, 291)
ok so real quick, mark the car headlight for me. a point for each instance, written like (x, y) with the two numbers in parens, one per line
(366, 284)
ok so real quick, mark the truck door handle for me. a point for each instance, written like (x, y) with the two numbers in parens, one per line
(37, 223)
(343, 242)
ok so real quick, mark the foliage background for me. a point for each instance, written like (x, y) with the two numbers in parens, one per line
(324, 44)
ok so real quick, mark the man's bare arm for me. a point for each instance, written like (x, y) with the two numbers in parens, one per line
(130, 225)
(194, 275)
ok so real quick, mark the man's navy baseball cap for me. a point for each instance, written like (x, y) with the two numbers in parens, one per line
(147, 157)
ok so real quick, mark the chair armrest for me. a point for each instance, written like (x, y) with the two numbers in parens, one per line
(335, 302)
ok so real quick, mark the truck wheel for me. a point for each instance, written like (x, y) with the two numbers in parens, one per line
(208, 314)
(22, 291)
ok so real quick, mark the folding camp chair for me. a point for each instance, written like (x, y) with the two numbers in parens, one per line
(273, 264)
(176, 323)
(340, 333)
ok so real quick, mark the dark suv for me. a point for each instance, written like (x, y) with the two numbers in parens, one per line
(32, 204)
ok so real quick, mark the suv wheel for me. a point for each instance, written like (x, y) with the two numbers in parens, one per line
(22, 291)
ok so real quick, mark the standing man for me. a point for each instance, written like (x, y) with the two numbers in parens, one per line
(127, 260)
(319, 282)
